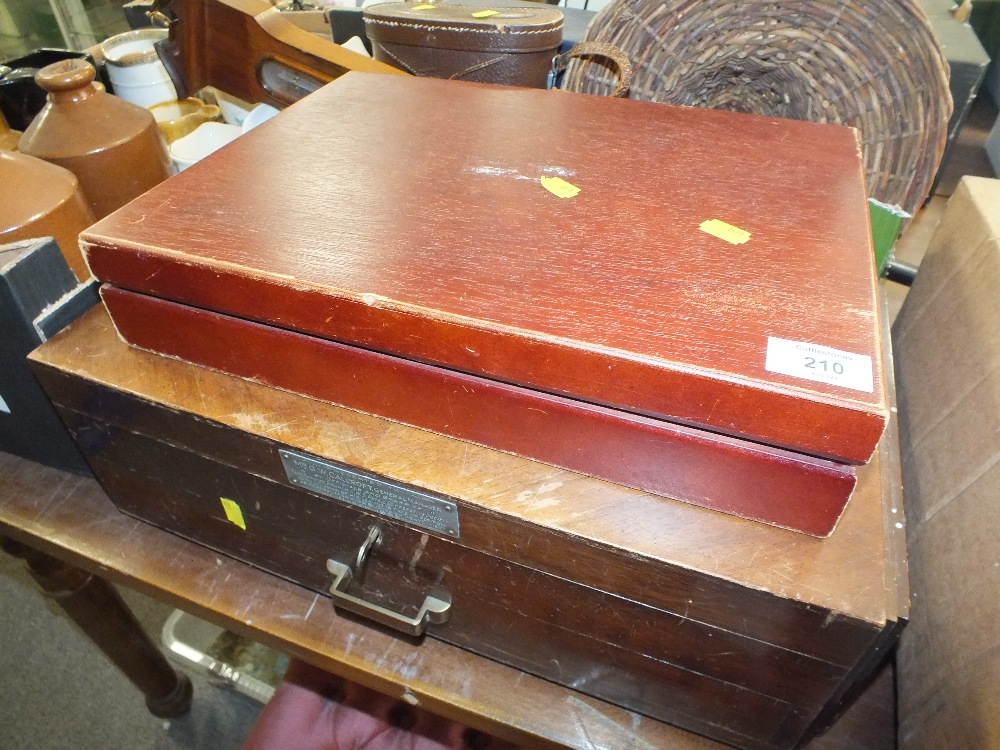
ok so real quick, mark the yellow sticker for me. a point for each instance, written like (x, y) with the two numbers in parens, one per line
(725, 231)
(485, 13)
(559, 186)
(233, 512)
(421, 7)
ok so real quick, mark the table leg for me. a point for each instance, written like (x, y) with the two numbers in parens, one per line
(94, 605)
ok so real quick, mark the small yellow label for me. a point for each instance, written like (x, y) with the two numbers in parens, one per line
(421, 7)
(233, 512)
(725, 231)
(485, 13)
(559, 186)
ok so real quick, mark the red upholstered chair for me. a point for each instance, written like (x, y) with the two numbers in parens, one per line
(315, 710)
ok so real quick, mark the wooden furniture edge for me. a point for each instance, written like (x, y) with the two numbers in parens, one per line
(71, 519)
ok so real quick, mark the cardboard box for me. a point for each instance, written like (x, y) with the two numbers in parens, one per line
(947, 344)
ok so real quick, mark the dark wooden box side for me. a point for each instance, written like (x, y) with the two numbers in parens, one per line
(601, 644)
(745, 576)
(688, 593)
(325, 527)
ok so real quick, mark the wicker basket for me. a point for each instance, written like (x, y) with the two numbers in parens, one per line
(875, 65)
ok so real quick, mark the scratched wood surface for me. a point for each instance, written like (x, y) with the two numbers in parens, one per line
(783, 620)
(666, 666)
(71, 517)
(419, 227)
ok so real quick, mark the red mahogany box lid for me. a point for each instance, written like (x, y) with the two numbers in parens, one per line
(709, 268)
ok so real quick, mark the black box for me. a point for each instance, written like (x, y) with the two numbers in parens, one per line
(39, 295)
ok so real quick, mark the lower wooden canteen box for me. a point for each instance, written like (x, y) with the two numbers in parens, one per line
(745, 633)
(679, 300)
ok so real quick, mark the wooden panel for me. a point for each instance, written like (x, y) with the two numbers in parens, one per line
(70, 517)
(753, 613)
(540, 624)
(749, 480)
(513, 636)
(222, 42)
(777, 586)
(445, 247)
(292, 533)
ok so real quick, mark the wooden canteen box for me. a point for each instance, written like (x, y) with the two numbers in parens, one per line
(678, 300)
(748, 634)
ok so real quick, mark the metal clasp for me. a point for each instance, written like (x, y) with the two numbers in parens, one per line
(436, 607)
(372, 540)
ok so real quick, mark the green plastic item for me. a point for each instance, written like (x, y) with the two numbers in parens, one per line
(886, 221)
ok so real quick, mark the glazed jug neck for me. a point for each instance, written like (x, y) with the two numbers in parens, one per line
(76, 95)
(68, 80)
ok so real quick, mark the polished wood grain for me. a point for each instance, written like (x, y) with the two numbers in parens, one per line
(747, 479)
(500, 625)
(787, 617)
(419, 228)
(222, 43)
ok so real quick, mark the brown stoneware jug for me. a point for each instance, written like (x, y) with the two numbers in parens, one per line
(43, 200)
(8, 137)
(112, 146)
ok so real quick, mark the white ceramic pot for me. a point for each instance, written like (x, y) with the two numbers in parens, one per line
(208, 137)
(135, 70)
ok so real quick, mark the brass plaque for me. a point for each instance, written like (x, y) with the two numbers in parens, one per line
(402, 502)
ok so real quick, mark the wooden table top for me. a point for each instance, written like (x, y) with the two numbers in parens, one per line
(71, 518)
